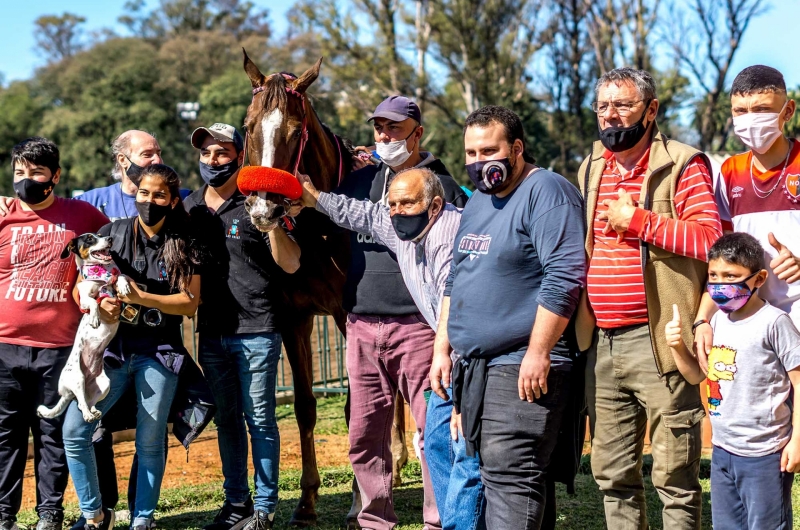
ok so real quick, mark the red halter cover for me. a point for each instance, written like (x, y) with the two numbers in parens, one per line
(304, 133)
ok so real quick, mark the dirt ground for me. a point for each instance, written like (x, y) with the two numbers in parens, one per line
(204, 462)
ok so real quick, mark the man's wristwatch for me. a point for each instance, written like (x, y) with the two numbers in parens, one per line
(698, 323)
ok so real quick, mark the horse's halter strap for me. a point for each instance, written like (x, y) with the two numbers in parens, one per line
(304, 134)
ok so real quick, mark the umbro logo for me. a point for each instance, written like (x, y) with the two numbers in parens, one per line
(737, 192)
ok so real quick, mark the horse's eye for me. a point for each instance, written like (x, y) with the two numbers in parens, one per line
(297, 133)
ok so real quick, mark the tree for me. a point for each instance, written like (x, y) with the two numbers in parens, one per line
(21, 111)
(178, 17)
(58, 37)
(706, 47)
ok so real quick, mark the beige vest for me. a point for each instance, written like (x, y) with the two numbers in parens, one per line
(668, 278)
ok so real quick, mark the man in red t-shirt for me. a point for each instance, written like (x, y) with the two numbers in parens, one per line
(38, 322)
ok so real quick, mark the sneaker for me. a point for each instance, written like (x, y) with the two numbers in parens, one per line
(106, 524)
(50, 520)
(7, 523)
(260, 521)
(231, 517)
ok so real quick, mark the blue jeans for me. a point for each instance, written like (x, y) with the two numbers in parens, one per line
(456, 477)
(241, 371)
(155, 388)
(750, 492)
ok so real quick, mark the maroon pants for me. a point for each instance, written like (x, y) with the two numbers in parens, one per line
(386, 354)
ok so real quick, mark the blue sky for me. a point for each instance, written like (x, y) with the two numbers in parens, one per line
(769, 40)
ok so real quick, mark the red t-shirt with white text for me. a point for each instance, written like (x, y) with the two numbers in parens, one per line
(36, 305)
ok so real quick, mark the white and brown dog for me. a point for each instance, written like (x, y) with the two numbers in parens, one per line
(83, 377)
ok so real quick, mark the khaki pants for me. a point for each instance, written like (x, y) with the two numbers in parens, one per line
(624, 393)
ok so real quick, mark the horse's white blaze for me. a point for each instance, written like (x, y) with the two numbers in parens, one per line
(269, 129)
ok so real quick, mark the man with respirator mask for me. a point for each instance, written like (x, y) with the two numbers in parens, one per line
(240, 343)
(758, 192)
(651, 218)
(517, 273)
(386, 336)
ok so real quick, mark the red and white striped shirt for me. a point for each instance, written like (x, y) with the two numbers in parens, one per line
(616, 281)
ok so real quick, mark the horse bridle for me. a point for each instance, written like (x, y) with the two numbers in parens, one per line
(304, 126)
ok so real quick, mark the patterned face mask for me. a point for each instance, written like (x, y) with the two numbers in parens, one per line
(730, 297)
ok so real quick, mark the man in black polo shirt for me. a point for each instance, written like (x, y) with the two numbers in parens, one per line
(389, 344)
(239, 339)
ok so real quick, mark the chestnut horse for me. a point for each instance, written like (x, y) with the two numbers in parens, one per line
(283, 131)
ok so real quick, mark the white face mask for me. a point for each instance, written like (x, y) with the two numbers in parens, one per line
(394, 153)
(759, 130)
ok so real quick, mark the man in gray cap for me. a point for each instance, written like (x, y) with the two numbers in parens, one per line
(389, 344)
(239, 339)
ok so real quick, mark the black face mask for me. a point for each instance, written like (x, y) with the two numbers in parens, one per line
(409, 227)
(134, 172)
(32, 191)
(490, 175)
(151, 213)
(618, 139)
(216, 176)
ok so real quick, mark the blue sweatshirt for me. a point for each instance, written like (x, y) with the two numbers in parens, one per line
(512, 255)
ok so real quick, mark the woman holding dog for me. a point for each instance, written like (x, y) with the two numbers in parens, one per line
(156, 252)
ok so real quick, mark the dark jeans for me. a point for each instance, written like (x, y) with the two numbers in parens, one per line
(29, 378)
(517, 439)
(750, 493)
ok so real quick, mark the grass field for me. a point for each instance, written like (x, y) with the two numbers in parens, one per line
(189, 508)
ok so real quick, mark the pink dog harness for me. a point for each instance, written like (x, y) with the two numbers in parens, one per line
(107, 274)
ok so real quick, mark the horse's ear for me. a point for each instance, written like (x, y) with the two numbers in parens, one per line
(255, 75)
(308, 77)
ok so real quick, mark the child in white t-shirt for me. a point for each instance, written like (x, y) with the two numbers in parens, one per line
(753, 367)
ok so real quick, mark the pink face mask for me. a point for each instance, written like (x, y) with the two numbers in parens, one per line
(731, 297)
(759, 130)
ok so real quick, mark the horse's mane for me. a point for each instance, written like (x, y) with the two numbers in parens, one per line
(275, 93)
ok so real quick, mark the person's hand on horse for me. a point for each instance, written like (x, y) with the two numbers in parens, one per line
(362, 157)
(310, 193)
(5, 204)
(296, 206)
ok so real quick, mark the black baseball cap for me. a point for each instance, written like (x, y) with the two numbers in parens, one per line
(397, 108)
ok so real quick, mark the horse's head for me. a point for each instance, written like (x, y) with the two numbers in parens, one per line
(277, 115)
(276, 125)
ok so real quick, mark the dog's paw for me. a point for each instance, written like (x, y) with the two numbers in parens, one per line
(92, 415)
(94, 319)
(123, 286)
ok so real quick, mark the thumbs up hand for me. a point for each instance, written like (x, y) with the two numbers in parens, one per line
(786, 266)
(673, 329)
(619, 214)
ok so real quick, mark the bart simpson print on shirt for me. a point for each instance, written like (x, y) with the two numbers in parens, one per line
(721, 367)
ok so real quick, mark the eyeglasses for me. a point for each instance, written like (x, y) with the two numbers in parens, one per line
(623, 108)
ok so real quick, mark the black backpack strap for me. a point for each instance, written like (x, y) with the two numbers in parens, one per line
(119, 233)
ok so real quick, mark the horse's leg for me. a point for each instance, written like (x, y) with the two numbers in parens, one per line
(399, 449)
(297, 341)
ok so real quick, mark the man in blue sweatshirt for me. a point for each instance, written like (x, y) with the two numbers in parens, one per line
(517, 272)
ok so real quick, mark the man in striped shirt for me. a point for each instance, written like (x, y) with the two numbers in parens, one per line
(651, 210)
(419, 227)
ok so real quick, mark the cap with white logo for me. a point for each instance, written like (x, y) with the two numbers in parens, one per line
(221, 132)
